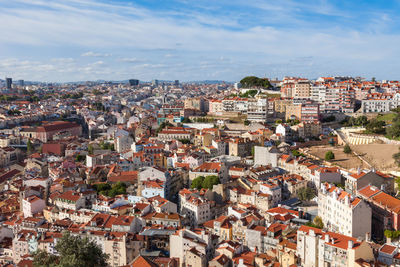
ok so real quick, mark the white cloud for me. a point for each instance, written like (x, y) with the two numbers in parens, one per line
(169, 45)
(93, 54)
(130, 60)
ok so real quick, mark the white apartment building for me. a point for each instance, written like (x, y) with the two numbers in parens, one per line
(318, 248)
(123, 143)
(32, 205)
(257, 110)
(380, 105)
(184, 240)
(343, 213)
(196, 209)
(274, 190)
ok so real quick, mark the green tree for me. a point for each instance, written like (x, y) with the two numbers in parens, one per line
(296, 153)
(90, 150)
(29, 147)
(394, 130)
(117, 189)
(186, 120)
(74, 251)
(396, 158)
(375, 126)
(347, 149)
(163, 125)
(79, 158)
(210, 181)
(43, 258)
(392, 234)
(318, 222)
(306, 194)
(255, 82)
(397, 181)
(197, 183)
(329, 155)
(246, 122)
(249, 94)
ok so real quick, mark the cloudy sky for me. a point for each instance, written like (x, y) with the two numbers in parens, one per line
(71, 40)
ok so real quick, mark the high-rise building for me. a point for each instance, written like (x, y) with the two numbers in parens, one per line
(176, 83)
(8, 83)
(154, 83)
(21, 83)
(133, 82)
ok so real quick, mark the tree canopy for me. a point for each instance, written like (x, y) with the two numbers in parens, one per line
(317, 223)
(249, 93)
(205, 182)
(74, 251)
(105, 189)
(347, 149)
(210, 181)
(306, 194)
(375, 126)
(329, 156)
(255, 82)
(197, 183)
(29, 147)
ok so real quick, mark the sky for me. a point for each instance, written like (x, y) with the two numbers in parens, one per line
(79, 40)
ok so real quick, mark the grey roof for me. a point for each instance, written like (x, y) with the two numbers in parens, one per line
(154, 232)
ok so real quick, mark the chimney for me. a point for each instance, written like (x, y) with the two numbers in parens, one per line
(301, 214)
(311, 233)
(351, 243)
(327, 238)
(367, 237)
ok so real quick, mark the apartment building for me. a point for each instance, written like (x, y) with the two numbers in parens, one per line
(380, 102)
(318, 248)
(196, 208)
(184, 240)
(257, 110)
(344, 213)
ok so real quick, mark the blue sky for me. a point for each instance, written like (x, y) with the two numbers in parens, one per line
(70, 40)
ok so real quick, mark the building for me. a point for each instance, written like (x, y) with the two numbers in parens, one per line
(170, 135)
(48, 130)
(195, 103)
(380, 102)
(184, 240)
(123, 143)
(209, 169)
(309, 129)
(257, 110)
(309, 112)
(385, 210)
(354, 182)
(8, 83)
(266, 156)
(322, 175)
(302, 89)
(196, 208)
(341, 212)
(133, 82)
(32, 205)
(318, 248)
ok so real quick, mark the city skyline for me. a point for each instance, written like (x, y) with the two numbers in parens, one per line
(59, 41)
